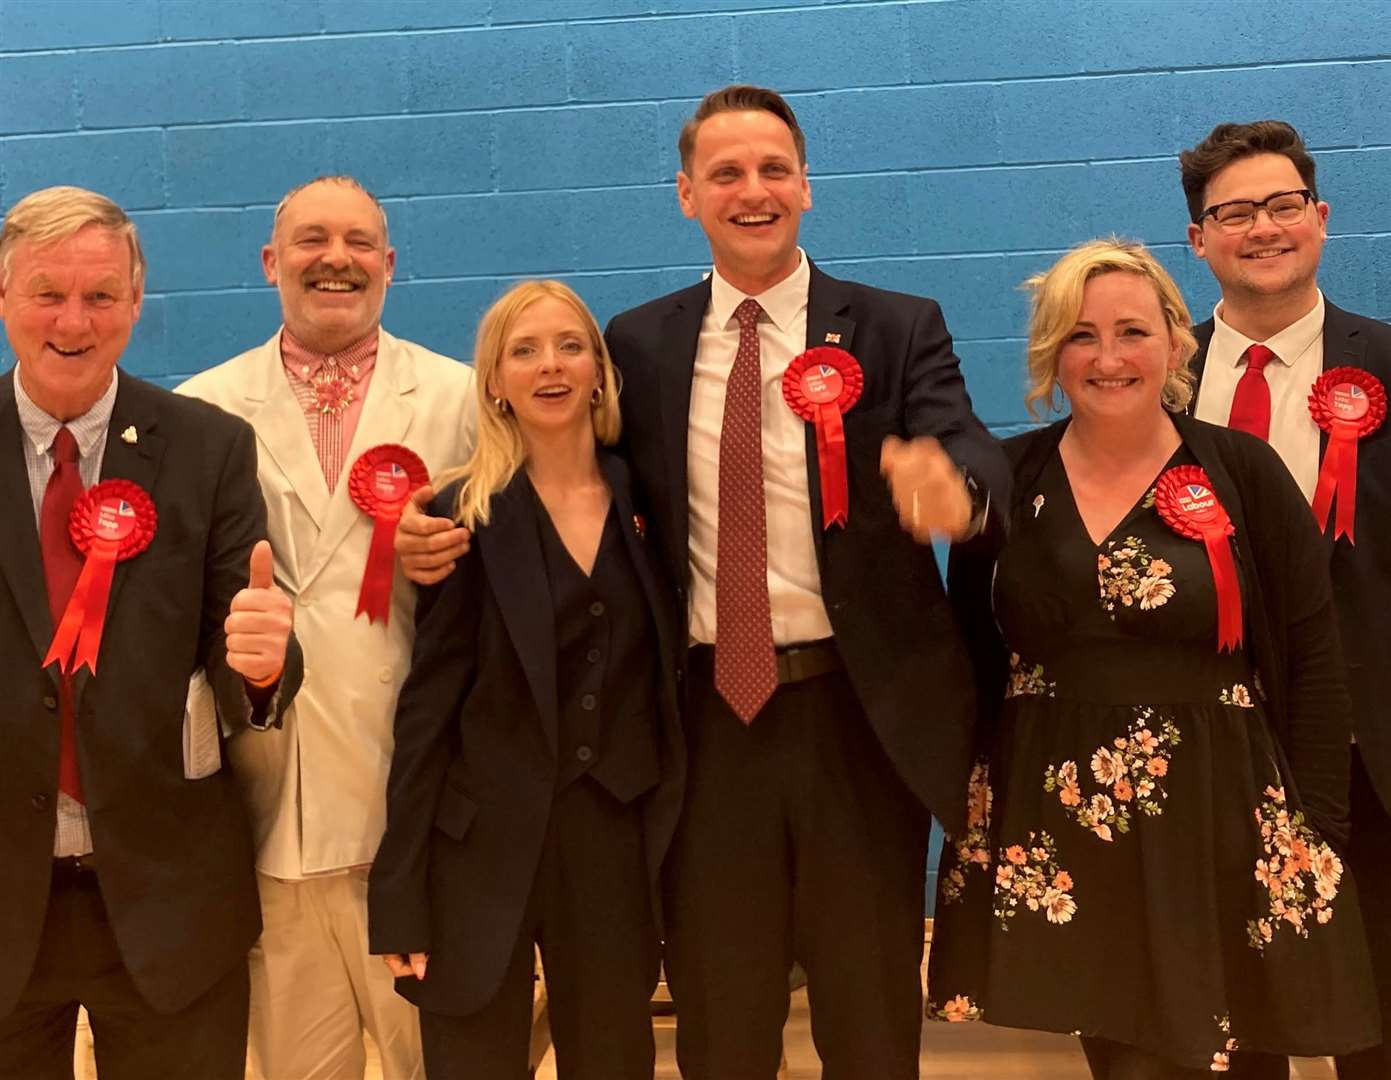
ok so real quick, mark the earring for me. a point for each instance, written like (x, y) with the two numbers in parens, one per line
(597, 398)
(502, 405)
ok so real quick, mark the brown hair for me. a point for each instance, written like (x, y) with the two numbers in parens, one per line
(740, 98)
(1227, 143)
(1057, 302)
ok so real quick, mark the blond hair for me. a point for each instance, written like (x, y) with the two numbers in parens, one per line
(1057, 304)
(56, 213)
(501, 450)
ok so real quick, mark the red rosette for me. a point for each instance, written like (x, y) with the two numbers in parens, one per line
(380, 483)
(820, 386)
(112, 521)
(1348, 403)
(1187, 503)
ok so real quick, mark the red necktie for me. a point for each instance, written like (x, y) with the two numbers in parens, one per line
(61, 566)
(746, 669)
(1251, 402)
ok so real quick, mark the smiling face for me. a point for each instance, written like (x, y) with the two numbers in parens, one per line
(1115, 360)
(1269, 261)
(69, 308)
(330, 260)
(748, 190)
(548, 371)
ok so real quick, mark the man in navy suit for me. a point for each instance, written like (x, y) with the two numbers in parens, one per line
(829, 700)
(1259, 224)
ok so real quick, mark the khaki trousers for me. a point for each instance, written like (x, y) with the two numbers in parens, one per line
(314, 987)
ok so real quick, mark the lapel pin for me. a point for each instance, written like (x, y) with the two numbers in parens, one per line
(130, 436)
(1038, 504)
(832, 339)
(640, 526)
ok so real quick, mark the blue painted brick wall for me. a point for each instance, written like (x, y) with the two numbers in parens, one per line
(955, 146)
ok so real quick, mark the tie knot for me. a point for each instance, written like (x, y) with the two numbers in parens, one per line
(747, 313)
(1257, 356)
(64, 448)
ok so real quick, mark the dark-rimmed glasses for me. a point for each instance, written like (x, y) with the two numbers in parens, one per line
(1284, 208)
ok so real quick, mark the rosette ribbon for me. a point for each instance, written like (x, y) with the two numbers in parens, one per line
(380, 483)
(1186, 502)
(113, 521)
(820, 386)
(1349, 404)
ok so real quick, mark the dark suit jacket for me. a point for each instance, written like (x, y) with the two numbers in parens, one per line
(1361, 571)
(475, 767)
(174, 856)
(883, 592)
(1289, 627)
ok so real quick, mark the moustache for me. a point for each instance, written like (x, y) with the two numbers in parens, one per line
(352, 277)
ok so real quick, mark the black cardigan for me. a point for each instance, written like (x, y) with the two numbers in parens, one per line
(1291, 630)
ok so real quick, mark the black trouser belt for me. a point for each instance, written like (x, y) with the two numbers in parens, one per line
(795, 662)
(74, 870)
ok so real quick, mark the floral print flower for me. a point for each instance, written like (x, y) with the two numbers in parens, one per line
(959, 1009)
(1238, 695)
(973, 849)
(1037, 883)
(1027, 680)
(1130, 768)
(1222, 1059)
(1299, 872)
(1127, 575)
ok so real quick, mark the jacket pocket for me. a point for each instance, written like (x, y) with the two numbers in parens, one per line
(455, 812)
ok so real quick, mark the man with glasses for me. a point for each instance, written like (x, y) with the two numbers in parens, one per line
(1258, 223)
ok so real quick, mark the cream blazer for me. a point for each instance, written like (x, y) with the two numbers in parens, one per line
(316, 788)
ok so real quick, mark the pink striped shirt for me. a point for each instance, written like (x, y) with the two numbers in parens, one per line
(330, 390)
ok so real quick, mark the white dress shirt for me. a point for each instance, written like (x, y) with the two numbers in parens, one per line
(794, 580)
(1299, 350)
(73, 835)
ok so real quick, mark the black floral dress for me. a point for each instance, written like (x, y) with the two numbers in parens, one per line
(1136, 866)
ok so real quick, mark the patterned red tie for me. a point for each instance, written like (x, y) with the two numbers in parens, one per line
(746, 670)
(1251, 402)
(61, 566)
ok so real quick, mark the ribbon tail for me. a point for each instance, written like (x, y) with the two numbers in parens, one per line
(1347, 492)
(1327, 482)
(101, 562)
(1228, 586)
(374, 597)
(70, 625)
(830, 453)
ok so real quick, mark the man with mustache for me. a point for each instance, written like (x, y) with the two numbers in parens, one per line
(330, 385)
(1258, 223)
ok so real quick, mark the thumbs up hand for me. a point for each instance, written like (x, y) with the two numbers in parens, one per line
(258, 626)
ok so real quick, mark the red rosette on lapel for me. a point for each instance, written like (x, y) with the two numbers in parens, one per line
(1185, 500)
(380, 483)
(113, 521)
(1349, 404)
(820, 386)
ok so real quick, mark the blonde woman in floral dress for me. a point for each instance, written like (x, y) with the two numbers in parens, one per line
(1153, 857)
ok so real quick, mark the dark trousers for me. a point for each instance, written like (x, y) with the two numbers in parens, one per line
(798, 842)
(1369, 856)
(591, 914)
(79, 964)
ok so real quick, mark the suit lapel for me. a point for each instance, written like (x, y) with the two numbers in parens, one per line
(282, 432)
(386, 418)
(515, 565)
(21, 561)
(828, 323)
(616, 473)
(681, 326)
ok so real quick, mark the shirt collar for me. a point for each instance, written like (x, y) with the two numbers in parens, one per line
(1288, 345)
(781, 303)
(88, 429)
(304, 363)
